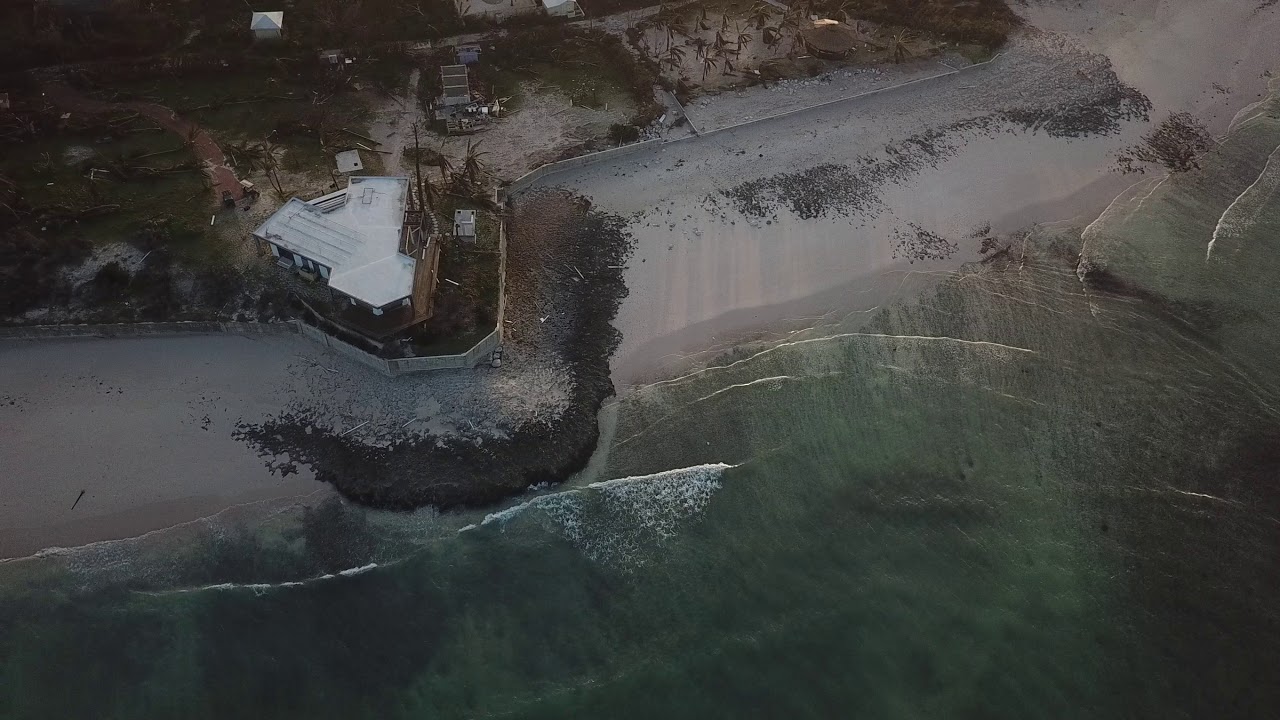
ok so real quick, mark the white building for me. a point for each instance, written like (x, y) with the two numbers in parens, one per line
(563, 8)
(352, 238)
(267, 25)
(464, 225)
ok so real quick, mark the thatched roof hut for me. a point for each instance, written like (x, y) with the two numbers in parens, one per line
(829, 38)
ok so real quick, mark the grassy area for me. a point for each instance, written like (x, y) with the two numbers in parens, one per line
(590, 66)
(218, 104)
(50, 172)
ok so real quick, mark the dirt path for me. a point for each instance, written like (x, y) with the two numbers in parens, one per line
(203, 145)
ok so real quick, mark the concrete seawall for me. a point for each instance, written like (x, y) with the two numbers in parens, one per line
(389, 367)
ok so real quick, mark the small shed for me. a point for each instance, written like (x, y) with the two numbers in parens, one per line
(457, 89)
(348, 161)
(332, 57)
(563, 8)
(464, 225)
(267, 25)
(468, 54)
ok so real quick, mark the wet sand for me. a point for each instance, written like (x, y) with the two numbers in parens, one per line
(143, 426)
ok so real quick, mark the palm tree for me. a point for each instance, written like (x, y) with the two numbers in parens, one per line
(270, 162)
(659, 23)
(700, 46)
(759, 15)
(702, 23)
(675, 27)
(743, 38)
(442, 162)
(898, 48)
(720, 42)
(771, 36)
(473, 170)
(675, 56)
(708, 64)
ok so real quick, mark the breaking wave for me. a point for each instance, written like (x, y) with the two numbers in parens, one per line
(259, 588)
(618, 522)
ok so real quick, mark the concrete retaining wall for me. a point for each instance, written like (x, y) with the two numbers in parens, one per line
(543, 171)
(144, 329)
(477, 354)
(401, 366)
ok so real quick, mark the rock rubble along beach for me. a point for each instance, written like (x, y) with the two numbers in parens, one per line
(532, 422)
(1075, 94)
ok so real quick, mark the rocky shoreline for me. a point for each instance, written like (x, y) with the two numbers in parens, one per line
(559, 311)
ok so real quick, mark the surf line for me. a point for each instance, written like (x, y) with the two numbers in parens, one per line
(712, 469)
(58, 550)
(1217, 229)
(261, 587)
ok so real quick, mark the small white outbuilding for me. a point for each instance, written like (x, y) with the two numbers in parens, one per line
(563, 8)
(267, 25)
(464, 225)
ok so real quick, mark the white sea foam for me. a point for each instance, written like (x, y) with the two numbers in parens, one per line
(617, 521)
(1243, 212)
(259, 588)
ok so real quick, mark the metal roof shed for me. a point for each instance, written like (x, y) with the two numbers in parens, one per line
(267, 25)
(457, 89)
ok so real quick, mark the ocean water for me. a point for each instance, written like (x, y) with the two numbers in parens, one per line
(1019, 494)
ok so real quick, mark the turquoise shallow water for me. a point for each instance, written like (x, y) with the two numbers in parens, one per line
(1018, 495)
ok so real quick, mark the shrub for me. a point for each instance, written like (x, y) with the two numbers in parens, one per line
(111, 281)
(30, 267)
(620, 133)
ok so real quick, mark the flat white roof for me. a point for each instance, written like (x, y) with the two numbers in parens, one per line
(355, 233)
(267, 21)
(348, 161)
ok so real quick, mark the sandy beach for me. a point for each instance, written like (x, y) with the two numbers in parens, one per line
(700, 264)
(151, 429)
(143, 426)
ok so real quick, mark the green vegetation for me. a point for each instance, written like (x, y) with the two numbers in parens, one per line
(590, 66)
(620, 133)
(981, 22)
(466, 302)
(35, 33)
(297, 108)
